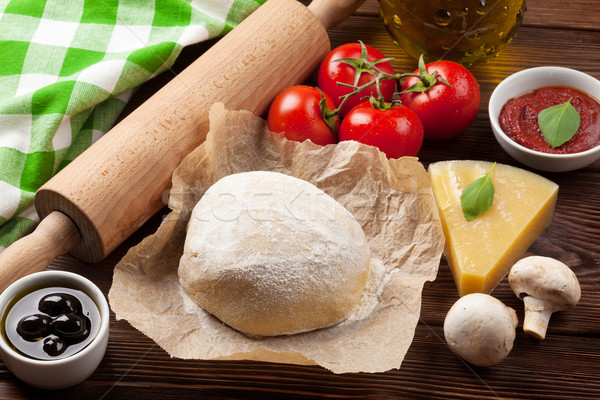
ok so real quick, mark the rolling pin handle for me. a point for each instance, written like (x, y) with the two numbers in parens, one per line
(333, 12)
(55, 235)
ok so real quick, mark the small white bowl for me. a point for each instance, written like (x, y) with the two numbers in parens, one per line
(531, 79)
(59, 373)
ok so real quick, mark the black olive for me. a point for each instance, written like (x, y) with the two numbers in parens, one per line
(34, 327)
(59, 303)
(54, 346)
(72, 328)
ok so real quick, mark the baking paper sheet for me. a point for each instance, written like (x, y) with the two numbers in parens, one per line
(392, 199)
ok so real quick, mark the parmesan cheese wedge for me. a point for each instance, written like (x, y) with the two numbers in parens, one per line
(481, 252)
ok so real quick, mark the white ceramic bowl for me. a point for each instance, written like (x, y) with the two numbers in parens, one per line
(59, 373)
(531, 79)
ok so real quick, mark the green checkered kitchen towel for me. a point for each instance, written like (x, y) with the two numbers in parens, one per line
(68, 67)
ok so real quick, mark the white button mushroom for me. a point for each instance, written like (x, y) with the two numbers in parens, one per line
(480, 329)
(546, 285)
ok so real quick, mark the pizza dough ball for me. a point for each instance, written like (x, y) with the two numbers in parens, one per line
(269, 254)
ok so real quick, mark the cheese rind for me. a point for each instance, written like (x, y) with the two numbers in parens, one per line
(481, 252)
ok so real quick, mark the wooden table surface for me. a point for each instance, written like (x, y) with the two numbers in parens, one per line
(564, 366)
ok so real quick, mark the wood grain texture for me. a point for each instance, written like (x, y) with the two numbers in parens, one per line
(54, 236)
(332, 12)
(563, 366)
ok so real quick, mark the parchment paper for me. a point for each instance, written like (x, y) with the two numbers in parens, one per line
(392, 200)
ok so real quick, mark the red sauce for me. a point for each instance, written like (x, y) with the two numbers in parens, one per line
(519, 119)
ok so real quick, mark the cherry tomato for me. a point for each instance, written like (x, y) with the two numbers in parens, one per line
(446, 109)
(396, 131)
(296, 113)
(331, 72)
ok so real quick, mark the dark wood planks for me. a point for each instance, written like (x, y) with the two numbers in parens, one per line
(564, 366)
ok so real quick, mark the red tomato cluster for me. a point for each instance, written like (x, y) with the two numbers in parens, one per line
(354, 100)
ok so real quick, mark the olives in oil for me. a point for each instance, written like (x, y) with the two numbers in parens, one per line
(59, 303)
(33, 327)
(52, 323)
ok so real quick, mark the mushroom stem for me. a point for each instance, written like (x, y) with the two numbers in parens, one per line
(537, 316)
(546, 285)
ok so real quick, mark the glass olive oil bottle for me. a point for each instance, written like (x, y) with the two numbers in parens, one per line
(466, 31)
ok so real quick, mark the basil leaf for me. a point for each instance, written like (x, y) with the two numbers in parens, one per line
(477, 197)
(559, 123)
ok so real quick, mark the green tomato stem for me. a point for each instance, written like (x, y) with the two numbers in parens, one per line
(362, 64)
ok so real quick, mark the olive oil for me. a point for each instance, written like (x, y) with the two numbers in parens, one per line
(51, 323)
(466, 31)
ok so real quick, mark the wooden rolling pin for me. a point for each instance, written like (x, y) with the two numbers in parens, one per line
(110, 190)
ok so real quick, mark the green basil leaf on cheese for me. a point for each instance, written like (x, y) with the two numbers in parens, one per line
(477, 197)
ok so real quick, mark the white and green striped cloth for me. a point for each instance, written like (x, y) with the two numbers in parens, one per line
(67, 68)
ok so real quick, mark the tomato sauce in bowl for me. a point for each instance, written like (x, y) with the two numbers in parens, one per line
(519, 119)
